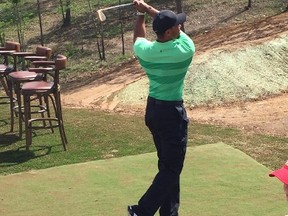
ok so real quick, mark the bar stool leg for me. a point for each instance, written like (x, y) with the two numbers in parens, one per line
(27, 117)
(4, 85)
(19, 104)
(11, 104)
(58, 111)
(58, 98)
(47, 105)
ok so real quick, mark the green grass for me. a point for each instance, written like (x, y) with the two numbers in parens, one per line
(106, 187)
(95, 135)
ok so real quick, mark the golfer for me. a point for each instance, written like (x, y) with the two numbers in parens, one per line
(165, 61)
(282, 175)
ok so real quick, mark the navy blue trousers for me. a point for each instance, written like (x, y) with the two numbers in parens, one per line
(167, 121)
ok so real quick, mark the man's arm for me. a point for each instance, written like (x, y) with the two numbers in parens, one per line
(285, 186)
(139, 27)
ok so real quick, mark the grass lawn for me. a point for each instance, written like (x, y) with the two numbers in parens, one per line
(95, 135)
(216, 180)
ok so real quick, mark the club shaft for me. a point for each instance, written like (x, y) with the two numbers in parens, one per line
(117, 6)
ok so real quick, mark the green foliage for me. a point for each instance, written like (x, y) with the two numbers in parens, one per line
(2, 38)
(71, 50)
(6, 15)
(95, 135)
(15, 1)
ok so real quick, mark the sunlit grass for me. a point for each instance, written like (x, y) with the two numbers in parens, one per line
(95, 135)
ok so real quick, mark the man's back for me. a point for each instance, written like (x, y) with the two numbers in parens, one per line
(166, 65)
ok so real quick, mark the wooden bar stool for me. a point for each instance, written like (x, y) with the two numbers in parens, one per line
(41, 53)
(9, 48)
(6, 98)
(4, 71)
(5, 52)
(49, 89)
(16, 80)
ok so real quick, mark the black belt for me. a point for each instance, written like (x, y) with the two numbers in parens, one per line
(163, 102)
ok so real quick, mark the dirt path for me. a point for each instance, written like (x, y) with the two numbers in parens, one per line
(267, 116)
(100, 93)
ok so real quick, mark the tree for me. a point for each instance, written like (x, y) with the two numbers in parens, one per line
(122, 29)
(179, 10)
(2, 39)
(19, 23)
(178, 6)
(66, 12)
(249, 4)
(40, 22)
(97, 32)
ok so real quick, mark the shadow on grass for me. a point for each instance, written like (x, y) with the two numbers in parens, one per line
(21, 155)
(8, 138)
(3, 123)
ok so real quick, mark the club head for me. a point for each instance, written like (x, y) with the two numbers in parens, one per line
(101, 16)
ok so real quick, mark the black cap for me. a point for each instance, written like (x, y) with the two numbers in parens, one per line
(166, 19)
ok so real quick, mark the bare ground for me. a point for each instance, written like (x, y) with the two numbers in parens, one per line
(268, 115)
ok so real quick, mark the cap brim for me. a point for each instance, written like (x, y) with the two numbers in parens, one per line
(181, 18)
(281, 174)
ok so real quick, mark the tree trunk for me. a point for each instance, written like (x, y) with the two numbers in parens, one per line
(122, 30)
(96, 28)
(19, 23)
(40, 22)
(178, 6)
(67, 19)
(179, 10)
(249, 3)
(62, 10)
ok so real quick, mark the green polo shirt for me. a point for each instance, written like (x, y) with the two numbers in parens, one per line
(166, 65)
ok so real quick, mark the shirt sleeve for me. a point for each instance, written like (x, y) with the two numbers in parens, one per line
(140, 45)
(187, 41)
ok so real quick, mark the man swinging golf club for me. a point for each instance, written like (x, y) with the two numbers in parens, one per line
(165, 61)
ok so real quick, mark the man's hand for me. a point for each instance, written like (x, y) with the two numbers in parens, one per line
(143, 7)
(140, 5)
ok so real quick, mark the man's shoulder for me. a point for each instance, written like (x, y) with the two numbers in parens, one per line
(142, 41)
(186, 41)
(184, 36)
(141, 45)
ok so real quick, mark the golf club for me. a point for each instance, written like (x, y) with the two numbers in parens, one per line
(101, 15)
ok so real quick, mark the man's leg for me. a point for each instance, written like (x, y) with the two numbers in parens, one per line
(169, 130)
(171, 204)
